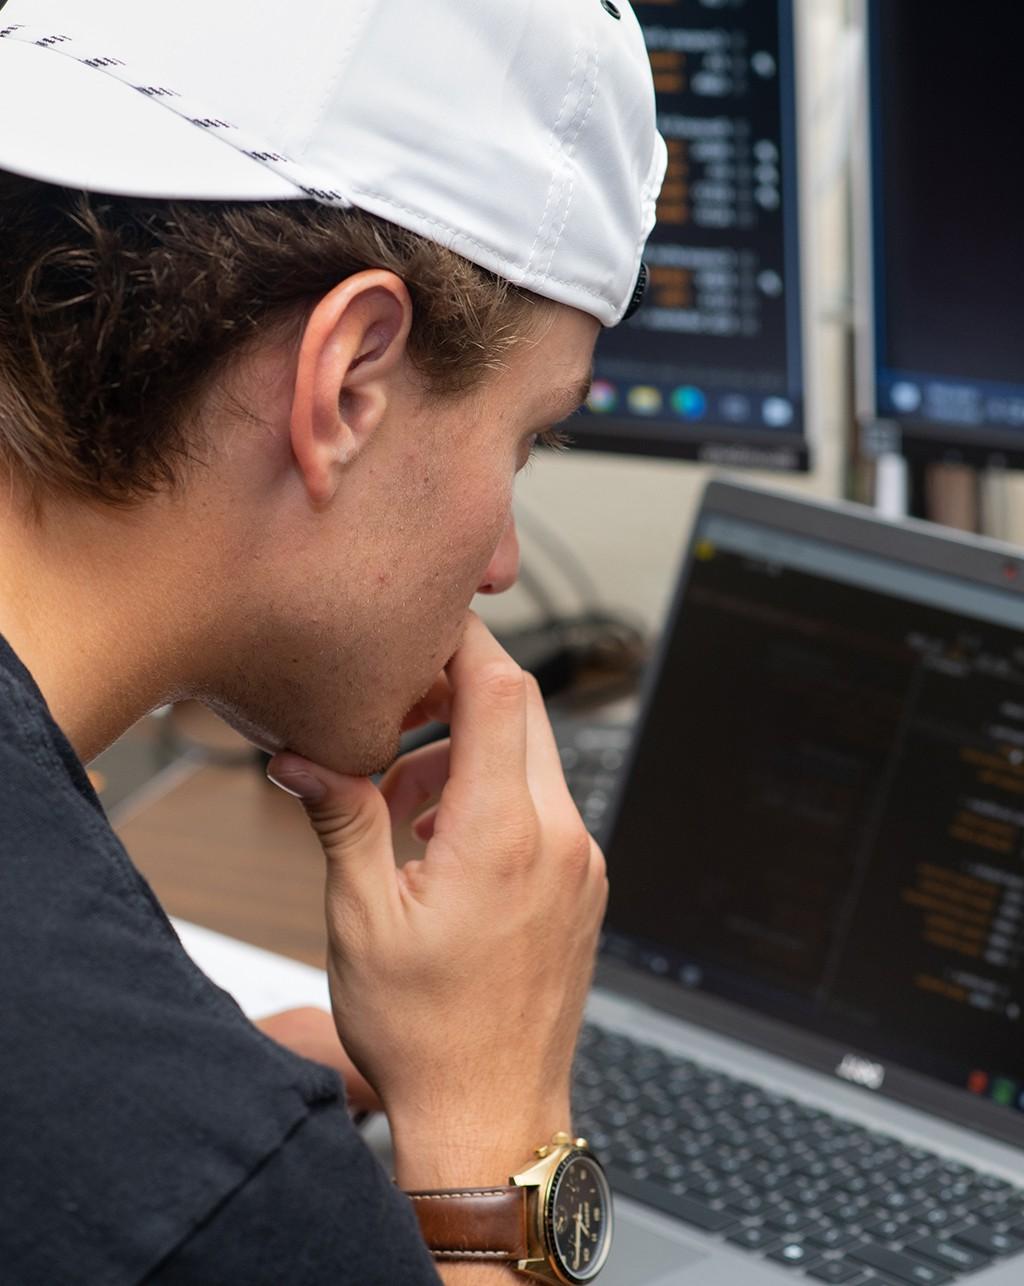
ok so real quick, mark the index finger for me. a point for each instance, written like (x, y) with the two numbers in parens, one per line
(488, 722)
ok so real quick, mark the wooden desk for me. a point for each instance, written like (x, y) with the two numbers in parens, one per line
(224, 848)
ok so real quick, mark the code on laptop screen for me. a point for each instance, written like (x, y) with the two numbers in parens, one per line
(825, 819)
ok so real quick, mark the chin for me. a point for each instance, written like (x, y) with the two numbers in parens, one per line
(363, 753)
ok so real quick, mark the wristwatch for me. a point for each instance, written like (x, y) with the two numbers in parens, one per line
(553, 1223)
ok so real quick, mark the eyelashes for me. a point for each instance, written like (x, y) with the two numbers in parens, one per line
(554, 439)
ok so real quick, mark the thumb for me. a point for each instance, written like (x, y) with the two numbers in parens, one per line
(348, 814)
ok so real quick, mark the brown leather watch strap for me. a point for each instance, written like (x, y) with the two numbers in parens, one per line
(478, 1223)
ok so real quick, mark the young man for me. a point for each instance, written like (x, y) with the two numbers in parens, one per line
(289, 294)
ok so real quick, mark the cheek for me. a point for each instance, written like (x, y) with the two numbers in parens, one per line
(449, 528)
(475, 518)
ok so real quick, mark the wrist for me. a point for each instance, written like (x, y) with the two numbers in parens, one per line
(439, 1151)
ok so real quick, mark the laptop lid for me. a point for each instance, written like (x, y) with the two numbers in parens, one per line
(819, 844)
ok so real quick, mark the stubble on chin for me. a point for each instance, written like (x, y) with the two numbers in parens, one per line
(377, 762)
(283, 718)
(342, 731)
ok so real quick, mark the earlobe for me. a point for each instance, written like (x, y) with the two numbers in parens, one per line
(351, 359)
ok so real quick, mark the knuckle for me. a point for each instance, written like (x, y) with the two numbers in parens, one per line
(580, 848)
(574, 847)
(502, 682)
(344, 827)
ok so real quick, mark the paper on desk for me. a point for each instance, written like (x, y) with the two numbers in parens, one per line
(261, 981)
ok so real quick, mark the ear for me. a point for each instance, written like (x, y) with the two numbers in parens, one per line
(352, 354)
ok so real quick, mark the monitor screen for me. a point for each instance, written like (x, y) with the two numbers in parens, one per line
(947, 124)
(824, 818)
(711, 367)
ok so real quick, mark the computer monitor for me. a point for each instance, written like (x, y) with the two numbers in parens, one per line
(942, 355)
(713, 365)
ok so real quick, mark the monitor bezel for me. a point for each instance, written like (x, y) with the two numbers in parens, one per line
(724, 445)
(996, 447)
(856, 527)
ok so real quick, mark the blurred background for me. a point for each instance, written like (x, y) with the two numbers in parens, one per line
(835, 308)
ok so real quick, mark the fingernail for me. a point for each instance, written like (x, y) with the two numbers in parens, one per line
(302, 785)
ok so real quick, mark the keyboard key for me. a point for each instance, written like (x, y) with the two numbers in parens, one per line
(937, 1217)
(629, 1155)
(810, 1167)
(805, 1194)
(774, 1152)
(1002, 1215)
(793, 1254)
(896, 1202)
(789, 1220)
(830, 1237)
(726, 1165)
(836, 1271)
(684, 1207)
(885, 1229)
(989, 1242)
(948, 1253)
(900, 1266)
(706, 1189)
(753, 1238)
(846, 1212)
(748, 1205)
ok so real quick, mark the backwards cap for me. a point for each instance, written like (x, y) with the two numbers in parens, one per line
(519, 133)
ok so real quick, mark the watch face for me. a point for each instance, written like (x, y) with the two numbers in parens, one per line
(579, 1218)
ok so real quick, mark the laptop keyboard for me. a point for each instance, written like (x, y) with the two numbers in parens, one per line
(593, 756)
(830, 1199)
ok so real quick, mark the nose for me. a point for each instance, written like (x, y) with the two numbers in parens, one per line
(503, 569)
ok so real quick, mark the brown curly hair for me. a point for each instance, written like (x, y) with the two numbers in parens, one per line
(116, 313)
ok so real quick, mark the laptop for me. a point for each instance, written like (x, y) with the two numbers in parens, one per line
(804, 1056)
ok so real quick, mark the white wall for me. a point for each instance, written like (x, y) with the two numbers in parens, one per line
(627, 518)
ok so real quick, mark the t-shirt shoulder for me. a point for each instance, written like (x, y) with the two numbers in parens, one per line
(140, 1105)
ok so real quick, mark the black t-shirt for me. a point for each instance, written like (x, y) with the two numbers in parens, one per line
(148, 1131)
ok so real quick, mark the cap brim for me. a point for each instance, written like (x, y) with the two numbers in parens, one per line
(75, 126)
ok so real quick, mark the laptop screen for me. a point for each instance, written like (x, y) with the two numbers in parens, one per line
(824, 820)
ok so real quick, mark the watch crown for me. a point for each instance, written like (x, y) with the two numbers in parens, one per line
(561, 1139)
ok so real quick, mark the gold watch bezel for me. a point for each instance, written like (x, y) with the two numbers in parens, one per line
(543, 1261)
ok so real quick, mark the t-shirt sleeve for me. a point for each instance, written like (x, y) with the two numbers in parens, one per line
(319, 1211)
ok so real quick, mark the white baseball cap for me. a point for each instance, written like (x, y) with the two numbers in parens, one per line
(519, 133)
